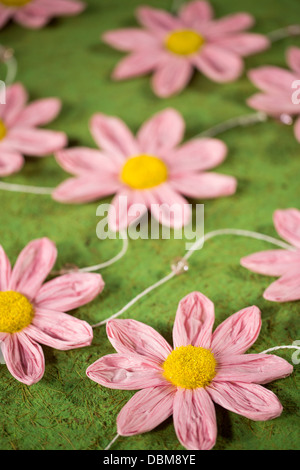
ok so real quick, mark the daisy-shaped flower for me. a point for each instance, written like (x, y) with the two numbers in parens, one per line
(203, 368)
(150, 170)
(37, 13)
(283, 263)
(278, 87)
(19, 134)
(172, 47)
(33, 313)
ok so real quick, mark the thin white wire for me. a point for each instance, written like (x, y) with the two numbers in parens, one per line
(199, 242)
(123, 236)
(276, 348)
(112, 442)
(240, 121)
(19, 188)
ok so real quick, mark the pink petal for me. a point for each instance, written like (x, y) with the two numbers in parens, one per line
(252, 368)
(204, 185)
(271, 262)
(250, 400)
(244, 44)
(70, 291)
(61, 7)
(112, 135)
(138, 63)
(195, 419)
(297, 129)
(5, 15)
(29, 17)
(133, 337)
(146, 410)
(195, 13)
(24, 358)
(84, 161)
(59, 330)
(272, 79)
(126, 372)
(84, 189)
(157, 20)
(197, 155)
(169, 208)
(172, 76)
(285, 289)
(237, 334)
(16, 97)
(35, 142)
(10, 162)
(33, 266)
(161, 132)
(229, 24)
(194, 321)
(39, 113)
(5, 270)
(274, 104)
(131, 39)
(293, 59)
(287, 224)
(218, 64)
(126, 207)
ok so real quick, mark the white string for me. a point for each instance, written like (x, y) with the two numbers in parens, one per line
(199, 242)
(283, 33)
(276, 348)
(112, 442)
(19, 188)
(240, 121)
(7, 57)
(123, 236)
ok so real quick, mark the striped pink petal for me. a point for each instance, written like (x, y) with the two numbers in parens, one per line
(271, 262)
(252, 368)
(195, 419)
(287, 224)
(35, 142)
(285, 289)
(32, 267)
(24, 358)
(10, 162)
(59, 330)
(61, 7)
(171, 76)
(138, 63)
(169, 207)
(238, 333)
(195, 13)
(297, 129)
(131, 39)
(229, 24)
(126, 207)
(5, 270)
(5, 15)
(159, 21)
(84, 161)
(244, 44)
(146, 410)
(274, 104)
(204, 185)
(85, 189)
(218, 64)
(250, 400)
(126, 372)
(69, 291)
(131, 337)
(293, 59)
(39, 113)
(16, 98)
(194, 321)
(272, 79)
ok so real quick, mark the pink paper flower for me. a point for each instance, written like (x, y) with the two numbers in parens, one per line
(32, 313)
(37, 13)
(203, 368)
(172, 47)
(282, 263)
(149, 169)
(19, 134)
(279, 86)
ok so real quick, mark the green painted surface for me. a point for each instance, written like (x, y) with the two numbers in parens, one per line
(66, 59)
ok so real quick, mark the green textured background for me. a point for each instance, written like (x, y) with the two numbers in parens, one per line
(66, 59)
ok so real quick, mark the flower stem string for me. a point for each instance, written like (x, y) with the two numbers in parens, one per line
(7, 57)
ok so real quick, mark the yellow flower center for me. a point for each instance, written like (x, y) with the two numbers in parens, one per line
(184, 42)
(2, 130)
(15, 3)
(16, 312)
(144, 171)
(190, 367)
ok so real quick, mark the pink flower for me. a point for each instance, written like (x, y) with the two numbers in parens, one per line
(278, 86)
(37, 13)
(282, 263)
(149, 169)
(172, 47)
(203, 368)
(32, 313)
(18, 133)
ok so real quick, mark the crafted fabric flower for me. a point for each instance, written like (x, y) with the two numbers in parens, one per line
(278, 87)
(283, 263)
(150, 169)
(32, 312)
(37, 13)
(172, 47)
(19, 134)
(203, 368)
